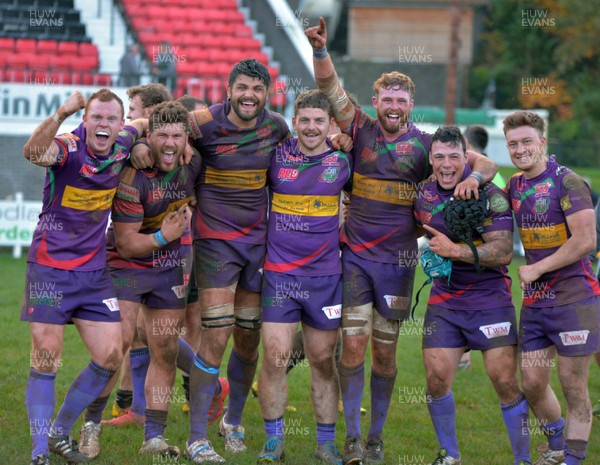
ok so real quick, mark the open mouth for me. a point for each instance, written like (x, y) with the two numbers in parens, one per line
(168, 157)
(102, 135)
(248, 104)
(447, 176)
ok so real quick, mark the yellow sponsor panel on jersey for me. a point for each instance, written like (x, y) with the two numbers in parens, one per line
(542, 237)
(396, 192)
(307, 205)
(156, 221)
(86, 199)
(236, 179)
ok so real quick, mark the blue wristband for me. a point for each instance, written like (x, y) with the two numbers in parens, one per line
(323, 51)
(160, 238)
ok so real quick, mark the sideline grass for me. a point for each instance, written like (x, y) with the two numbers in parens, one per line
(409, 436)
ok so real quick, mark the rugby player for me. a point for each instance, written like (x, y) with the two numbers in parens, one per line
(142, 100)
(390, 158)
(553, 209)
(68, 256)
(471, 310)
(303, 273)
(147, 258)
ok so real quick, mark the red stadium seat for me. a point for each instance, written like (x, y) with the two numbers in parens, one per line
(68, 48)
(7, 44)
(17, 75)
(62, 62)
(18, 61)
(47, 46)
(40, 62)
(186, 69)
(87, 49)
(25, 45)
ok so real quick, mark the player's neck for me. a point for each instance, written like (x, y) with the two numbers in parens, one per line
(239, 122)
(390, 137)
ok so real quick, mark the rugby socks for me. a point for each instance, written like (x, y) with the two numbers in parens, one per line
(185, 356)
(85, 389)
(325, 432)
(381, 395)
(274, 427)
(202, 388)
(140, 361)
(156, 421)
(443, 414)
(555, 432)
(515, 417)
(240, 374)
(352, 383)
(94, 411)
(575, 452)
(186, 385)
(123, 398)
(40, 399)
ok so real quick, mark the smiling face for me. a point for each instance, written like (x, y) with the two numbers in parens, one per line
(448, 161)
(527, 149)
(312, 126)
(167, 142)
(103, 121)
(248, 98)
(393, 107)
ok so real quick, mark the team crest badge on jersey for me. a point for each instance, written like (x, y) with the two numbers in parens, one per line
(541, 205)
(287, 174)
(498, 203)
(331, 160)
(426, 218)
(119, 153)
(405, 148)
(330, 174)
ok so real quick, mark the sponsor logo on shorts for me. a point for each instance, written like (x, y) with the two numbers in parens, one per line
(179, 291)
(112, 304)
(333, 312)
(574, 338)
(396, 302)
(496, 330)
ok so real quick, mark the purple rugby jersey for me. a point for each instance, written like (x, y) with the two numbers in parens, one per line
(540, 206)
(468, 290)
(303, 226)
(380, 220)
(233, 174)
(78, 193)
(147, 196)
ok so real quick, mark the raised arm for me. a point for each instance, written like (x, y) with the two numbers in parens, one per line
(327, 79)
(41, 149)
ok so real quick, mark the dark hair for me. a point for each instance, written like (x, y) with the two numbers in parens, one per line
(190, 102)
(150, 94)
(105, 95)
(250, 67)
(313, 99)
(168, 113)
(524, 118)
(477, 137)
(450, 135)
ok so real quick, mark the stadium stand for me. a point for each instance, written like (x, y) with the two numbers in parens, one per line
(45, 41)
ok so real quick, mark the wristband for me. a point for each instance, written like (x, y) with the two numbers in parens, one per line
(320, 54)
(158, 236)
(57, 118)
(477, 175)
